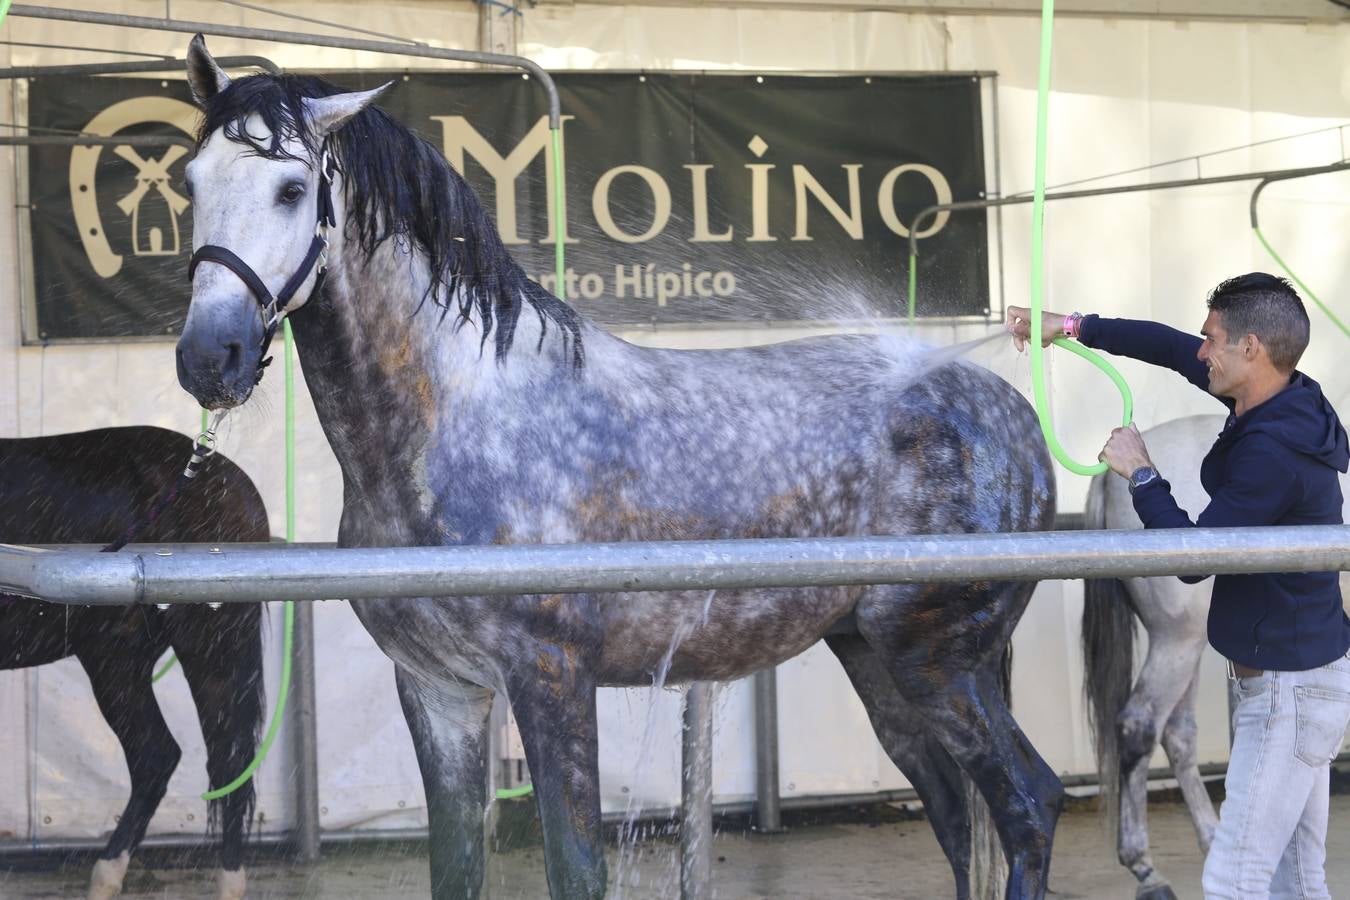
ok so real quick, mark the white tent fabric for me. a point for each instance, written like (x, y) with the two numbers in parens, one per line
(1128, 93)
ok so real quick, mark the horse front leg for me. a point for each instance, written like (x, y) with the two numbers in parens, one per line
(554, 705)
(448, 721)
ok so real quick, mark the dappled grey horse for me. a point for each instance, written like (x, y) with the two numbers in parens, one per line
(467, 405)
(1131, 715)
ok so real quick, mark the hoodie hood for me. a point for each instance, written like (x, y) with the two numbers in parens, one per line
(1300, 418)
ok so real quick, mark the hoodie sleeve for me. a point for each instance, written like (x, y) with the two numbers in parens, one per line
(1259, 490)
(1148, 342)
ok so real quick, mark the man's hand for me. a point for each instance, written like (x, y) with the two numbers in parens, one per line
(1019, 326)
(1125, 451)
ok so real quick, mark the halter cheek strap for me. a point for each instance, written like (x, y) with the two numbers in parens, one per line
(273, 308)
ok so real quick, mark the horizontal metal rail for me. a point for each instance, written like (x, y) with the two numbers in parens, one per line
(997, 202)
(228, 575)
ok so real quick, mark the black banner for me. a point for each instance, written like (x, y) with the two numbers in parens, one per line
(690, 198)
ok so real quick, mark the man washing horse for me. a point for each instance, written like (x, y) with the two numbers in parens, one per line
(1285, 635)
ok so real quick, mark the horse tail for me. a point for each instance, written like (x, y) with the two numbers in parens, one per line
(242, 670)
(235, 650)
(1108, 661)
(988, 865)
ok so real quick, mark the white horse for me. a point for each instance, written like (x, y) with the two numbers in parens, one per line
(1129, 721)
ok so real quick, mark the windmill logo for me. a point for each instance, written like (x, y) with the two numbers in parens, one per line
(151, 183)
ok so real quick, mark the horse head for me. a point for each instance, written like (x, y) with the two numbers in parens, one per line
(265, 190)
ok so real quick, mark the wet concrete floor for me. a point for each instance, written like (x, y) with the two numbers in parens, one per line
(876, 855)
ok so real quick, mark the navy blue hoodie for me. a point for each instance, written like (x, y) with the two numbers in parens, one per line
(1276, 464)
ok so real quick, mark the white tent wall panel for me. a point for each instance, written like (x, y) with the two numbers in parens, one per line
(1128, 93)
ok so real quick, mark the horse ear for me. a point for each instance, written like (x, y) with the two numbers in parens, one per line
(205, 78)
(327, 114)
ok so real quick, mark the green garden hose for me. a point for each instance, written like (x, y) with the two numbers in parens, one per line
(1037, 252)
(1306, 290)
(288, 628)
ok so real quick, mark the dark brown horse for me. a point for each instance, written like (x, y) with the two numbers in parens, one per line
(89, 488)
(467, 405)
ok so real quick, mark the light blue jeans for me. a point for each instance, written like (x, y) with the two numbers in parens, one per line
(1271, 839)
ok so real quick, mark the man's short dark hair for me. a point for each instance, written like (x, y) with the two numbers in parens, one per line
(1268, 307)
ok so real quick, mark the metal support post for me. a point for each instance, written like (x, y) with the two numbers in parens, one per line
(696, 832)
(497, 28)
(768, 811)
(306, 738)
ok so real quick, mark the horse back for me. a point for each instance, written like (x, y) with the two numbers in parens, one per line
(88, 487)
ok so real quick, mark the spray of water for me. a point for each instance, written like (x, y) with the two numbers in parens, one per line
(626, 874)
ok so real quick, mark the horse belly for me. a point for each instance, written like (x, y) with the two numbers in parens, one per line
(712, 635)
(436, 637)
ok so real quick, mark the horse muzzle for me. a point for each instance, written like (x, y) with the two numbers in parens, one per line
(218, 355)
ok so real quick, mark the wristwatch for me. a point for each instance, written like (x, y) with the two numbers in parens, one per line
(1142, 476)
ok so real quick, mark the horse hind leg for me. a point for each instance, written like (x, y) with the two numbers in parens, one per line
(448, 721)
(1179, 740)
(903, 735)
(127, 702)
(1169, 669)
(221, 654)
(943, 645)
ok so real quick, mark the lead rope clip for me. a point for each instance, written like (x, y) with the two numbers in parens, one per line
(204, 446)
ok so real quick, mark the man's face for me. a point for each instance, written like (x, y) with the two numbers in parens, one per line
(1227, 362)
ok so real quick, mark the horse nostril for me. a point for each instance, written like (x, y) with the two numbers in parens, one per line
(182, 366)
(234, 352)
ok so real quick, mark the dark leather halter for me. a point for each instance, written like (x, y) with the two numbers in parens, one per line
(273, 308)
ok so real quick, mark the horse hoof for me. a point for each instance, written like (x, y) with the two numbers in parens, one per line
(231, 885)
(106, 880)
(1155, 892)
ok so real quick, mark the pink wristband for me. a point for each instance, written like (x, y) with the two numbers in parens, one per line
(1071, 324)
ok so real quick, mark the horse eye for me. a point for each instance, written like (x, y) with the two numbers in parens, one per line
(291, 193)
(187, 186)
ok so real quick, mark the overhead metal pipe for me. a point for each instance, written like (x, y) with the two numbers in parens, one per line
(118, 68)
(91, 17)
(94, 140)
(251, 576)
(997, 202)
(1288, 176)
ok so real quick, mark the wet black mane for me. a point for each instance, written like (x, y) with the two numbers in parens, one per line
(400, 186)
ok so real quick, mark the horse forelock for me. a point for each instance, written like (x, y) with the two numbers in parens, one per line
(397, 185)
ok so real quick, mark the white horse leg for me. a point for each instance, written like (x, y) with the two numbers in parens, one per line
(1163, 681)
(1179, 741)
(106, 880)
(231, 885)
